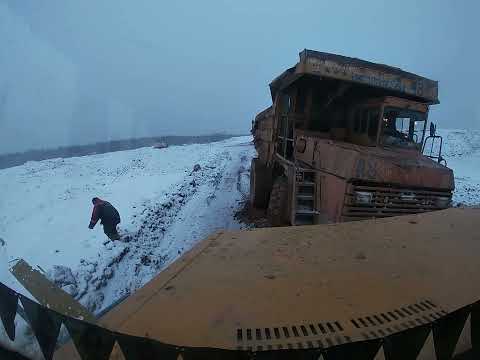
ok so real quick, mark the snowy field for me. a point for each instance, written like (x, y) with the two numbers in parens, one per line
(461, 149)
(165, 208)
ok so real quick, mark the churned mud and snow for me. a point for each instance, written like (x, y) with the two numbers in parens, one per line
(168, 199)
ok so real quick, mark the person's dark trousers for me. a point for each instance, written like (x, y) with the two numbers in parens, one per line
(110, 229)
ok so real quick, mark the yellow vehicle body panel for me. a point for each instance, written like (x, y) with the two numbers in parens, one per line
(235, 288)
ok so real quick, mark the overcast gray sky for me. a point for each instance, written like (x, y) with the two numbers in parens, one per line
(81, 71)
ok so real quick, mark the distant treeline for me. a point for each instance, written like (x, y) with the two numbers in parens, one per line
(9, 160)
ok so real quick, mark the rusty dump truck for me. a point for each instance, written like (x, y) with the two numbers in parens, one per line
(345, 139)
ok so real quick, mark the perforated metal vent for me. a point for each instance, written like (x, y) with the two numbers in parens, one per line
(325, 334)
(322, 334)
(385, 323)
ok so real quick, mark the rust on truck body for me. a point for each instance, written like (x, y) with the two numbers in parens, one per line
(359, 71)
(347, 135)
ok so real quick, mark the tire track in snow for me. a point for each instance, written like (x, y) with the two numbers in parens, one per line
(126, 266)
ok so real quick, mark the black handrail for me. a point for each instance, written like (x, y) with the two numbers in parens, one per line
(431, 154)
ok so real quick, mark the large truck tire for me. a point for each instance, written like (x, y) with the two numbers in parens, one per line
(277, 206)
(260, 184)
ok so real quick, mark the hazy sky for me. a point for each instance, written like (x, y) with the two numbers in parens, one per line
(89, 70)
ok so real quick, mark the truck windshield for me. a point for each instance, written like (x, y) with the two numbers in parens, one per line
(403, 128)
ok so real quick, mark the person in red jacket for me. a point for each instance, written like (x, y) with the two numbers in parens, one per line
(108, 216)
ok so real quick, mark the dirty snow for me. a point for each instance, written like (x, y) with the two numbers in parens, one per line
(461, 149)
(165, 206)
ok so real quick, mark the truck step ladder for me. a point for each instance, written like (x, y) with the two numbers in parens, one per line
(304, 197)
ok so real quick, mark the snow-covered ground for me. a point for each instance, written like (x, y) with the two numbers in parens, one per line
(461, 149)
(165, 208)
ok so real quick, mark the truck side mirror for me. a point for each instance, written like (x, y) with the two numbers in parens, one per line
(433, 129)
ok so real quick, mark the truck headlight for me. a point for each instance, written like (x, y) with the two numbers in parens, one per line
(443, 202)
(407, 197)
(363, 197)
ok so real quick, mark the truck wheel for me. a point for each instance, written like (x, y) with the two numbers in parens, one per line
(260, 184)
(277, 206)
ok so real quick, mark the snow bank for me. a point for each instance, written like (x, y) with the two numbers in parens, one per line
(461, 149)
(165, 208)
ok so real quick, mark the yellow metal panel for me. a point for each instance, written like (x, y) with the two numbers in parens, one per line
(420, 265)
(48, 294)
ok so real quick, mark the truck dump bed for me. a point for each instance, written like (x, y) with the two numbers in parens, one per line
(393, 80)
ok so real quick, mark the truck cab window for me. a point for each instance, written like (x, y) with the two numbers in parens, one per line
(320, 117)
(301, 99)
(285, 104)
(403, 128)
(365, 124)
(373, 124)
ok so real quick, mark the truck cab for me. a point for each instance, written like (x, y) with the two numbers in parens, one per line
(344, 140)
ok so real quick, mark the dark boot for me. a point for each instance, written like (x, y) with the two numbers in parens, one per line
(111, 231)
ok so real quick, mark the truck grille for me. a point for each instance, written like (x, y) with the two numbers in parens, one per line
(369, 201)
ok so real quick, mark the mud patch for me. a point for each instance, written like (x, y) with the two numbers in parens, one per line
(138, 256)
(252, 217)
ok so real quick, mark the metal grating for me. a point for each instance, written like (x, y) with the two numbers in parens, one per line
(313, 335)
(382, 324)
(326, 334)
(391, 201)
